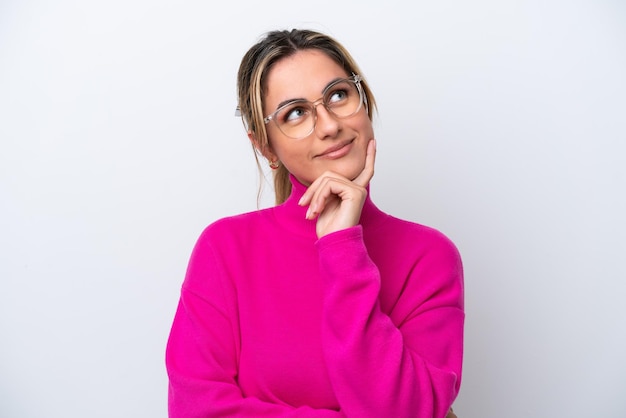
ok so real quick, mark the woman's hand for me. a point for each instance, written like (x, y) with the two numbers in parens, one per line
(337, 201)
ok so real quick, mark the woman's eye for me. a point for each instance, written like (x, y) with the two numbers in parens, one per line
(337, 96)
(294, 114)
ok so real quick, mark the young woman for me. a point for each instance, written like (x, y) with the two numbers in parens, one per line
(322, 306)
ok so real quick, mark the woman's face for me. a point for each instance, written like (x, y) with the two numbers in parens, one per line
(337, 145)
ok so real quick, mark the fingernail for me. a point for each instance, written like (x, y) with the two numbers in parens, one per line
(310, 213)
(300, 201)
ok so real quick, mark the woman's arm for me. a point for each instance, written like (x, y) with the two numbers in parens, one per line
(378, 367)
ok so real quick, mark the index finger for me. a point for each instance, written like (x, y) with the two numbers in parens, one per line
(366, 175)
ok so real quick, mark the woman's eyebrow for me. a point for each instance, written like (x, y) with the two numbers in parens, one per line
(289, 101)
(331, 82)
(302, 99)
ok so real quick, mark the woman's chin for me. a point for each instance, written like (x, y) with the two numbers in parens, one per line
(351, 169)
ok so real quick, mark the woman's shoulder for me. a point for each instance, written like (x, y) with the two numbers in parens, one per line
(415, 235)
(240, 225)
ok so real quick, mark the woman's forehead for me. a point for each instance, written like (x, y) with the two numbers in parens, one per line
(303, 75)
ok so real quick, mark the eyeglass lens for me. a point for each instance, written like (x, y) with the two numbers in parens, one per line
(297, 119)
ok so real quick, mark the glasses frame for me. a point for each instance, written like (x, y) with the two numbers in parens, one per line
(355, 79)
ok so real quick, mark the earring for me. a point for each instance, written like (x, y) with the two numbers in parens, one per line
(274, 165)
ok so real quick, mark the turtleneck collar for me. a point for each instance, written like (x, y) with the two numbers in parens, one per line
(292, 215)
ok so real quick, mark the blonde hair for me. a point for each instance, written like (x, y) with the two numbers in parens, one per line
(251, 79)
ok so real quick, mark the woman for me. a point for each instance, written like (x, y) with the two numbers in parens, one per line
(322, 306)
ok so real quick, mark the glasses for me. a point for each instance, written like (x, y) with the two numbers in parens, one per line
(297, 118)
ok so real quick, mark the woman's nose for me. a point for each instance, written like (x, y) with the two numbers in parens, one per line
(326, 124)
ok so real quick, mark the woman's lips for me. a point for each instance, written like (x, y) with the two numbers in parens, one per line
(337, 151)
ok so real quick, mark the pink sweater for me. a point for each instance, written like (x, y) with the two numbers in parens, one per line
(272, 322)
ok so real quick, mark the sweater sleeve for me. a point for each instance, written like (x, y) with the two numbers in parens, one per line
(201, 354)
(380, 368)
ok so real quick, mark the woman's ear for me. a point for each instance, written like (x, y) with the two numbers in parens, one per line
(265, 151)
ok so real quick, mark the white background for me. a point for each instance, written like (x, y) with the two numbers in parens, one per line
(501, 123)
